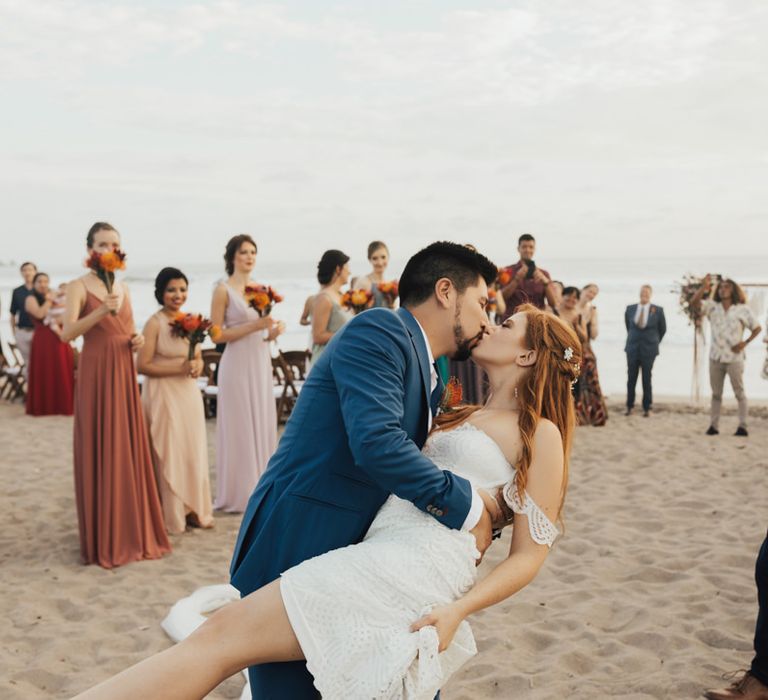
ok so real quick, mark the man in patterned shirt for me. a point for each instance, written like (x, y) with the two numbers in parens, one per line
(728, 316)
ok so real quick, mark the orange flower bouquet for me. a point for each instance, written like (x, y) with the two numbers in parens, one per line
(503, 278)
(357, 300)
(390, 290)
(262, 298)
(105, 265)
(493, 304)
(194, 328)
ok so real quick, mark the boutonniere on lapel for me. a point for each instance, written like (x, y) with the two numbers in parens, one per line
(452, 396)
(653, 310)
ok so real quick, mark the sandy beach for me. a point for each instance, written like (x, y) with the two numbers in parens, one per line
(650, 593)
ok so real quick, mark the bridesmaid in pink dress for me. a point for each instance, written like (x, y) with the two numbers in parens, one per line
(246, 419)
(174, 411)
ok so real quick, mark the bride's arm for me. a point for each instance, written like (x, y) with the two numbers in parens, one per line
(526, 556)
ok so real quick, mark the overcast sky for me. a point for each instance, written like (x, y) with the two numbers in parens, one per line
(605, 128)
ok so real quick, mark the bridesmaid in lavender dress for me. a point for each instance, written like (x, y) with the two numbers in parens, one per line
(246, 419)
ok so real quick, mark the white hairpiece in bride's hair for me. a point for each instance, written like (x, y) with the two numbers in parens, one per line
(568, 356)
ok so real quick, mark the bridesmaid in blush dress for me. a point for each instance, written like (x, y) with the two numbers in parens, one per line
(51, 385)
(246, 417)
(118, 507)
(174, 411)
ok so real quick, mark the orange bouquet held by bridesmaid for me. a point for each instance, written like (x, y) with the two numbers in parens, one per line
(105, 265)
(262, 298)
(390, 291)
(504, 277)
(357, 300)
(194, 328)
(493, 303)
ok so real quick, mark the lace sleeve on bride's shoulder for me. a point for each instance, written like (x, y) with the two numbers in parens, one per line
(540, 527)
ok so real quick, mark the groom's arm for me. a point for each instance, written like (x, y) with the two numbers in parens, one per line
(369, 366)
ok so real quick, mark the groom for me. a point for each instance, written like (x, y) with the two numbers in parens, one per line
(356, 433)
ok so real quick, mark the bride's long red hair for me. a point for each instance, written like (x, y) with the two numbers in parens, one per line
(544, 392)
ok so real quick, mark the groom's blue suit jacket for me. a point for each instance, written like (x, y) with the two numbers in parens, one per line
(354, 437)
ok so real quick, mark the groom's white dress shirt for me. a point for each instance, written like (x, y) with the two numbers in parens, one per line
(476, 509)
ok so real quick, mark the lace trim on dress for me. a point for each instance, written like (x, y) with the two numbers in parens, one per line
(540, 527)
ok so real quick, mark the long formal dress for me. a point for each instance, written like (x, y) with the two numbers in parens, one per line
(51, 384)
(176, 421)
(351, 608)
(590, 403)
(246, 417)
(118, 507)
(339, 316)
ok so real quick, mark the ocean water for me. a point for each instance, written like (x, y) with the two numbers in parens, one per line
(619, 282)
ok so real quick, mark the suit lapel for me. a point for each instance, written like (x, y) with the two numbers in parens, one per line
(417, 338)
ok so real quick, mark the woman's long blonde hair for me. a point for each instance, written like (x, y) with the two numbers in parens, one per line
(545, 391)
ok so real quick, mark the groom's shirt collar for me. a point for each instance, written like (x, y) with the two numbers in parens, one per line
(432, 370)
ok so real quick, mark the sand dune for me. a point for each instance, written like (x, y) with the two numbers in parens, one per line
(650, 594)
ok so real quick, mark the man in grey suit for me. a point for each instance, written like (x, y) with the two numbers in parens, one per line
(646, 327)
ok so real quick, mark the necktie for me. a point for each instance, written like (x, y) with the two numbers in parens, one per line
(642, 321)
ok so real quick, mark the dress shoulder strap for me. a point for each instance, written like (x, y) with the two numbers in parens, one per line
(540, 527)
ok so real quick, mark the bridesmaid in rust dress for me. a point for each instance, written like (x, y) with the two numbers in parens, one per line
(118, 507)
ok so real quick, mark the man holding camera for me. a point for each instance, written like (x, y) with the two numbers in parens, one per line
(528, 284)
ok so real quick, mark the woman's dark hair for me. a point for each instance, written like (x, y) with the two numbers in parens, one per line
(40, 298)
(98, 226)
(567, 291)
(331, 260)
(374, 246)
(459, 263)
(233, 245)
(738, 297)
(163, 278)
(24, 264)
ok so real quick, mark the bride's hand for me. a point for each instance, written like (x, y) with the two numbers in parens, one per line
(445, 619)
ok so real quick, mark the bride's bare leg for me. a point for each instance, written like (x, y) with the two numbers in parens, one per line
(254, 630)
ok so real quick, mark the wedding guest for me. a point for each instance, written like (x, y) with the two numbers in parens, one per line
(590, 403)
(753, 684)
(729, 316)
(588, 310)
(118, 507)
(246, 416)
(328, 316)
(51, 387)
(174, 411)
(529, 284)
(646, 327)
(557, 289)
(378, 256)
(22, 327)
(306, 313)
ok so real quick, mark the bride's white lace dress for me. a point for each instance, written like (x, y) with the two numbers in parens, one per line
(351, 608)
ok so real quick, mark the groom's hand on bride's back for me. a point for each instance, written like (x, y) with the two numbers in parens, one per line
(483, 531)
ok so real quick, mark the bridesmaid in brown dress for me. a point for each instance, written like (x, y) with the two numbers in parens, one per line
(118, 507)
(174, 411)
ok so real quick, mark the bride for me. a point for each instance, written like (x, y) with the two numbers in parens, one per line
(385, 618)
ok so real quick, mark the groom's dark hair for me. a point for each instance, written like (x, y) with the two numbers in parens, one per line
(459, 263)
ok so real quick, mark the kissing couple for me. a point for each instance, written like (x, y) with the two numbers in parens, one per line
(357, 553)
